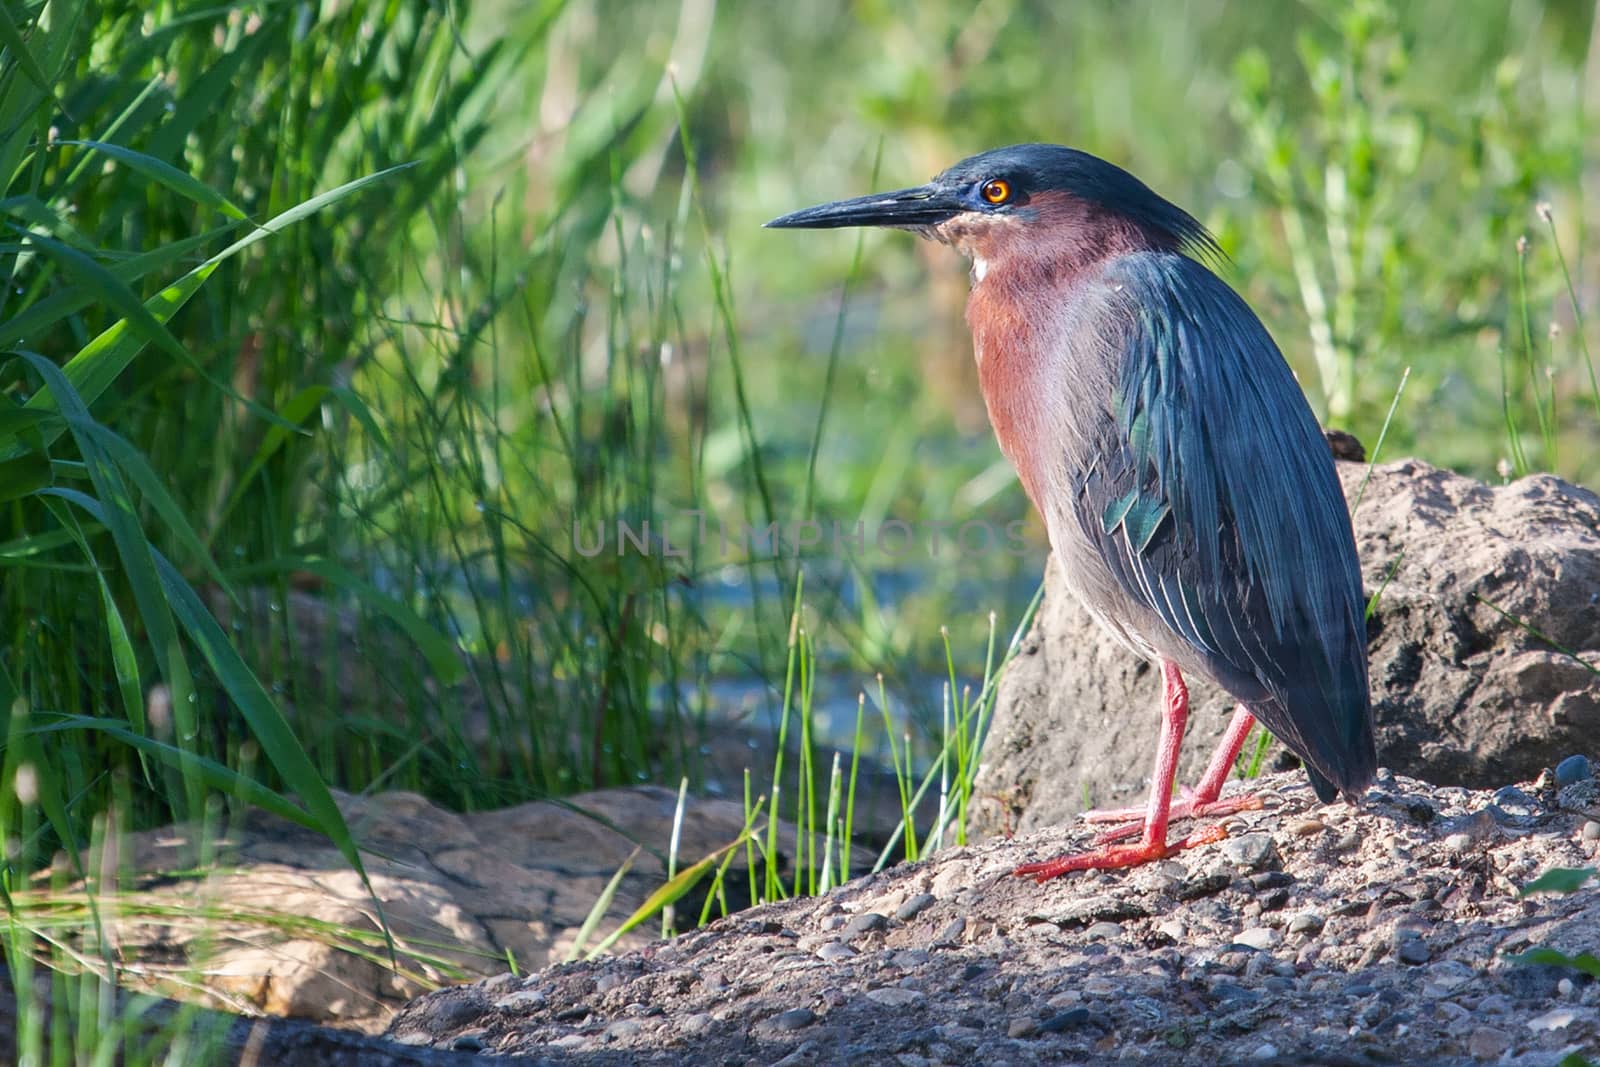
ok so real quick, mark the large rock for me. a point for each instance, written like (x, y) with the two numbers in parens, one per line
(279, 924)
(1474, 678)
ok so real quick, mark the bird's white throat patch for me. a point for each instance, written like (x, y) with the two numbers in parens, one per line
(980, 267)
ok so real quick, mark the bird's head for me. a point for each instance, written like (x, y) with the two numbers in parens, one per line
(1027, 199)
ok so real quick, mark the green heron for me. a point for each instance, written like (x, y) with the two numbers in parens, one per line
(1189, 495)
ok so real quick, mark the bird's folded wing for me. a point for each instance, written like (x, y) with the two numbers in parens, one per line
(1213, 501)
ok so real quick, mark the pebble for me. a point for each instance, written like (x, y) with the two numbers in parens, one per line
(1348, 843)
(794, 1019)
(527, 1000)
(1573, 770)
(1173, 930)
(833, 922)
(1591, 831)
(915, 906)
(412, 1038)
(1022, 1027)
(623, 1029)
(607, 982)
(1494, 1004)
(1447, 977)
(1259, 937)
(471, 1041)
(1516, 802)
(1307, 827)
(1307, 922)
(1066, 1020)
(894, 996)
(1557, 1019)
(834, 951)
(866, 923)
(1414, 950)
(1253, 851)
(1488, 1043)
(952, 932)
(1266, 1051)
(695, 1024)
(1104, 931)
(1458, 843)
(1234, 995)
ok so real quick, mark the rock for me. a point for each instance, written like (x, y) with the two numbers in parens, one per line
(794, 1019)
(1515, 802)
(1413, 951)
(1250, 851)
(952, 932)
(1306, 923)
(623, 1029)
(1555, 1019)
(1022, 1027)
(474, 888)
(1103, 931)
(866, 923)
(915, 906)
(1488, 1043)
(834, 951)
(1591, 831)
(1066, 1020)
(525, 1001)
(1462, 695)
(1573, 770)
(1259, 937)
(894, 996)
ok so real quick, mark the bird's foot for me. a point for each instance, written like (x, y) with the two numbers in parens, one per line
(1117, 856)
(1188, 808)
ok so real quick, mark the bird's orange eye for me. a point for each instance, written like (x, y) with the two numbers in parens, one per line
(997, 191)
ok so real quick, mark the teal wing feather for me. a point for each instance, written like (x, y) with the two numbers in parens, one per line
(1213, 500)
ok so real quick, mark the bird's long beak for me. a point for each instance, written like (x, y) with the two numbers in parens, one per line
(926, 205)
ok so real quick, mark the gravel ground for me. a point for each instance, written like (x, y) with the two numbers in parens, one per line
(1312, 935)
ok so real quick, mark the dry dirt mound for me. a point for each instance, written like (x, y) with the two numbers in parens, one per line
(1482, 588)
(1312, 935)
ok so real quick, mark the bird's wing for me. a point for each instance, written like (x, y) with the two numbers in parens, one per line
(1213, 500)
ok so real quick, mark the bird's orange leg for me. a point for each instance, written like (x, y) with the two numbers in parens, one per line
(1153, 846)
(1203, 800)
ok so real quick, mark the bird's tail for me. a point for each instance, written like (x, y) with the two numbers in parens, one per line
(1341, 758)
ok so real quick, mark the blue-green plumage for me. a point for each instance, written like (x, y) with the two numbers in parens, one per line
(1213, 500)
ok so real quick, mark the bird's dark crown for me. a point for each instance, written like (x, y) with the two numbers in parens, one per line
(1031, 169)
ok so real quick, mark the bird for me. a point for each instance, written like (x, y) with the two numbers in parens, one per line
(1188, 492)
